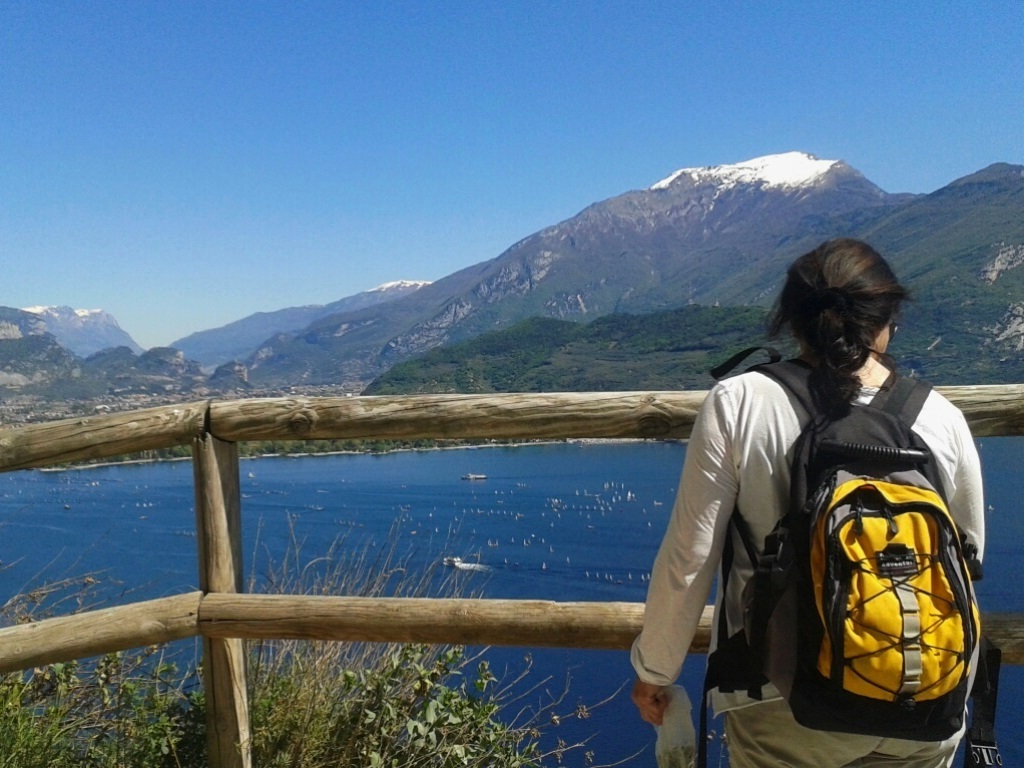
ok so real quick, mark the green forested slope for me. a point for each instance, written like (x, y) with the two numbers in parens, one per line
(663, 350)
(667, 350)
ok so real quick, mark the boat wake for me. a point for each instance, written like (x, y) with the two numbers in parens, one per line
(462, 565)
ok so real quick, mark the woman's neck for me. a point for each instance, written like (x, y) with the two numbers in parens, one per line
(872, 374)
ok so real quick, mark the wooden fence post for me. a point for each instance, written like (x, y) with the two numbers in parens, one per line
(219, 536)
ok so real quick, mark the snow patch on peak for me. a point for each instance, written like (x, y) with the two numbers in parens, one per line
(399, 284)
(55, 310)
(789, 169)
(66, 313)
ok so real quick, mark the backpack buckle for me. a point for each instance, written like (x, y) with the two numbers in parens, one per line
(982, 753)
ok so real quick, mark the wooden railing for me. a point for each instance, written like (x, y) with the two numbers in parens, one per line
(223, 616)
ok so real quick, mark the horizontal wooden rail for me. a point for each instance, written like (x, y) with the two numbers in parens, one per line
(526, 623)
(511, 416)
(100, 437)
(93, 633)
(990, 410)
(994, 410)
(1006, 631)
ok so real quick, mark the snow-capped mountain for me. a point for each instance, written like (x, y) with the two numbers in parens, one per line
(83, 331)
(789, 169)
(399, 287)
(695, 236)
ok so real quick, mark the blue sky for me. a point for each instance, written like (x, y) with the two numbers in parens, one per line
(185, 164)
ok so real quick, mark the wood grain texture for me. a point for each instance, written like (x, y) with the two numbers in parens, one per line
(100, 437)
(98, 632)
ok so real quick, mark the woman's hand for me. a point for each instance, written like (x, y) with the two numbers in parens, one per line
(651, 700)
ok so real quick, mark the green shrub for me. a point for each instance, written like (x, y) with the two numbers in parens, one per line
(124, 710)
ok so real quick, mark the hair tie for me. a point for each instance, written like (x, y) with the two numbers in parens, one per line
(826, 299)
(836, 298)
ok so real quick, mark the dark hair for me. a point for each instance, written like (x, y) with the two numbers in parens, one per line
(835, 301)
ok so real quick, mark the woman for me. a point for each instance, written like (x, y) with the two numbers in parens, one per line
(840, 302)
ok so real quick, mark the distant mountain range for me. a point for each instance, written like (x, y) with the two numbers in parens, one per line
(34, 363)
(238, 340)
(685, 239)
(718, 236)
(81, 331)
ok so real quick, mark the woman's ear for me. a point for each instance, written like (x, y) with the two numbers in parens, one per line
(882, 338)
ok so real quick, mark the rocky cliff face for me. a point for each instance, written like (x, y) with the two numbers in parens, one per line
(1007, 257)
(1008, 332)
(34, 361)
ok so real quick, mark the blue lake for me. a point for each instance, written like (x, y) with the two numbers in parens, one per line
(576, 521)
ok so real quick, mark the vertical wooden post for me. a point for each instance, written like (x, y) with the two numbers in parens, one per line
(219, 536)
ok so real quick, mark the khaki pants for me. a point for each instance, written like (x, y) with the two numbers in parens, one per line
(767, 736)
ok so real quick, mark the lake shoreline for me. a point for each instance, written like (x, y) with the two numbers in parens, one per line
(304, 454)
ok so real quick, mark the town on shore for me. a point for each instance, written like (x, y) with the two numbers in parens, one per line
(18, 409)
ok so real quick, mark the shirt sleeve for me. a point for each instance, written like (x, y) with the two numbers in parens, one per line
(967, 504)
(944, 428)
(688, 557)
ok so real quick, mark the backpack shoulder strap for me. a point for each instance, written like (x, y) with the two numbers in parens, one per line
(980, 739)
(794, 376)
(720, 371)
(905, 398)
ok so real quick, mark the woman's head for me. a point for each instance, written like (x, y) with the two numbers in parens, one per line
(836, 301)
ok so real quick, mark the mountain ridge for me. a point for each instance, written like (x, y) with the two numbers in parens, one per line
(238, 339)
(639, 251)
(691, 241)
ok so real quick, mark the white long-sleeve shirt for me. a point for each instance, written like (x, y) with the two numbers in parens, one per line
(739, 453)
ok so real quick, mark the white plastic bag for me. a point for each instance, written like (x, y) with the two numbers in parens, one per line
(677, 739)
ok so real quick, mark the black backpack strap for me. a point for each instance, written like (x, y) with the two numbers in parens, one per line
(722, 663)
(980, 741)
(794, 376)
(702, 730)
(905, 398)
(720, 371)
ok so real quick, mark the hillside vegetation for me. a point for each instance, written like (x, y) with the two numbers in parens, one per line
(670, 350)
(664, 350)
